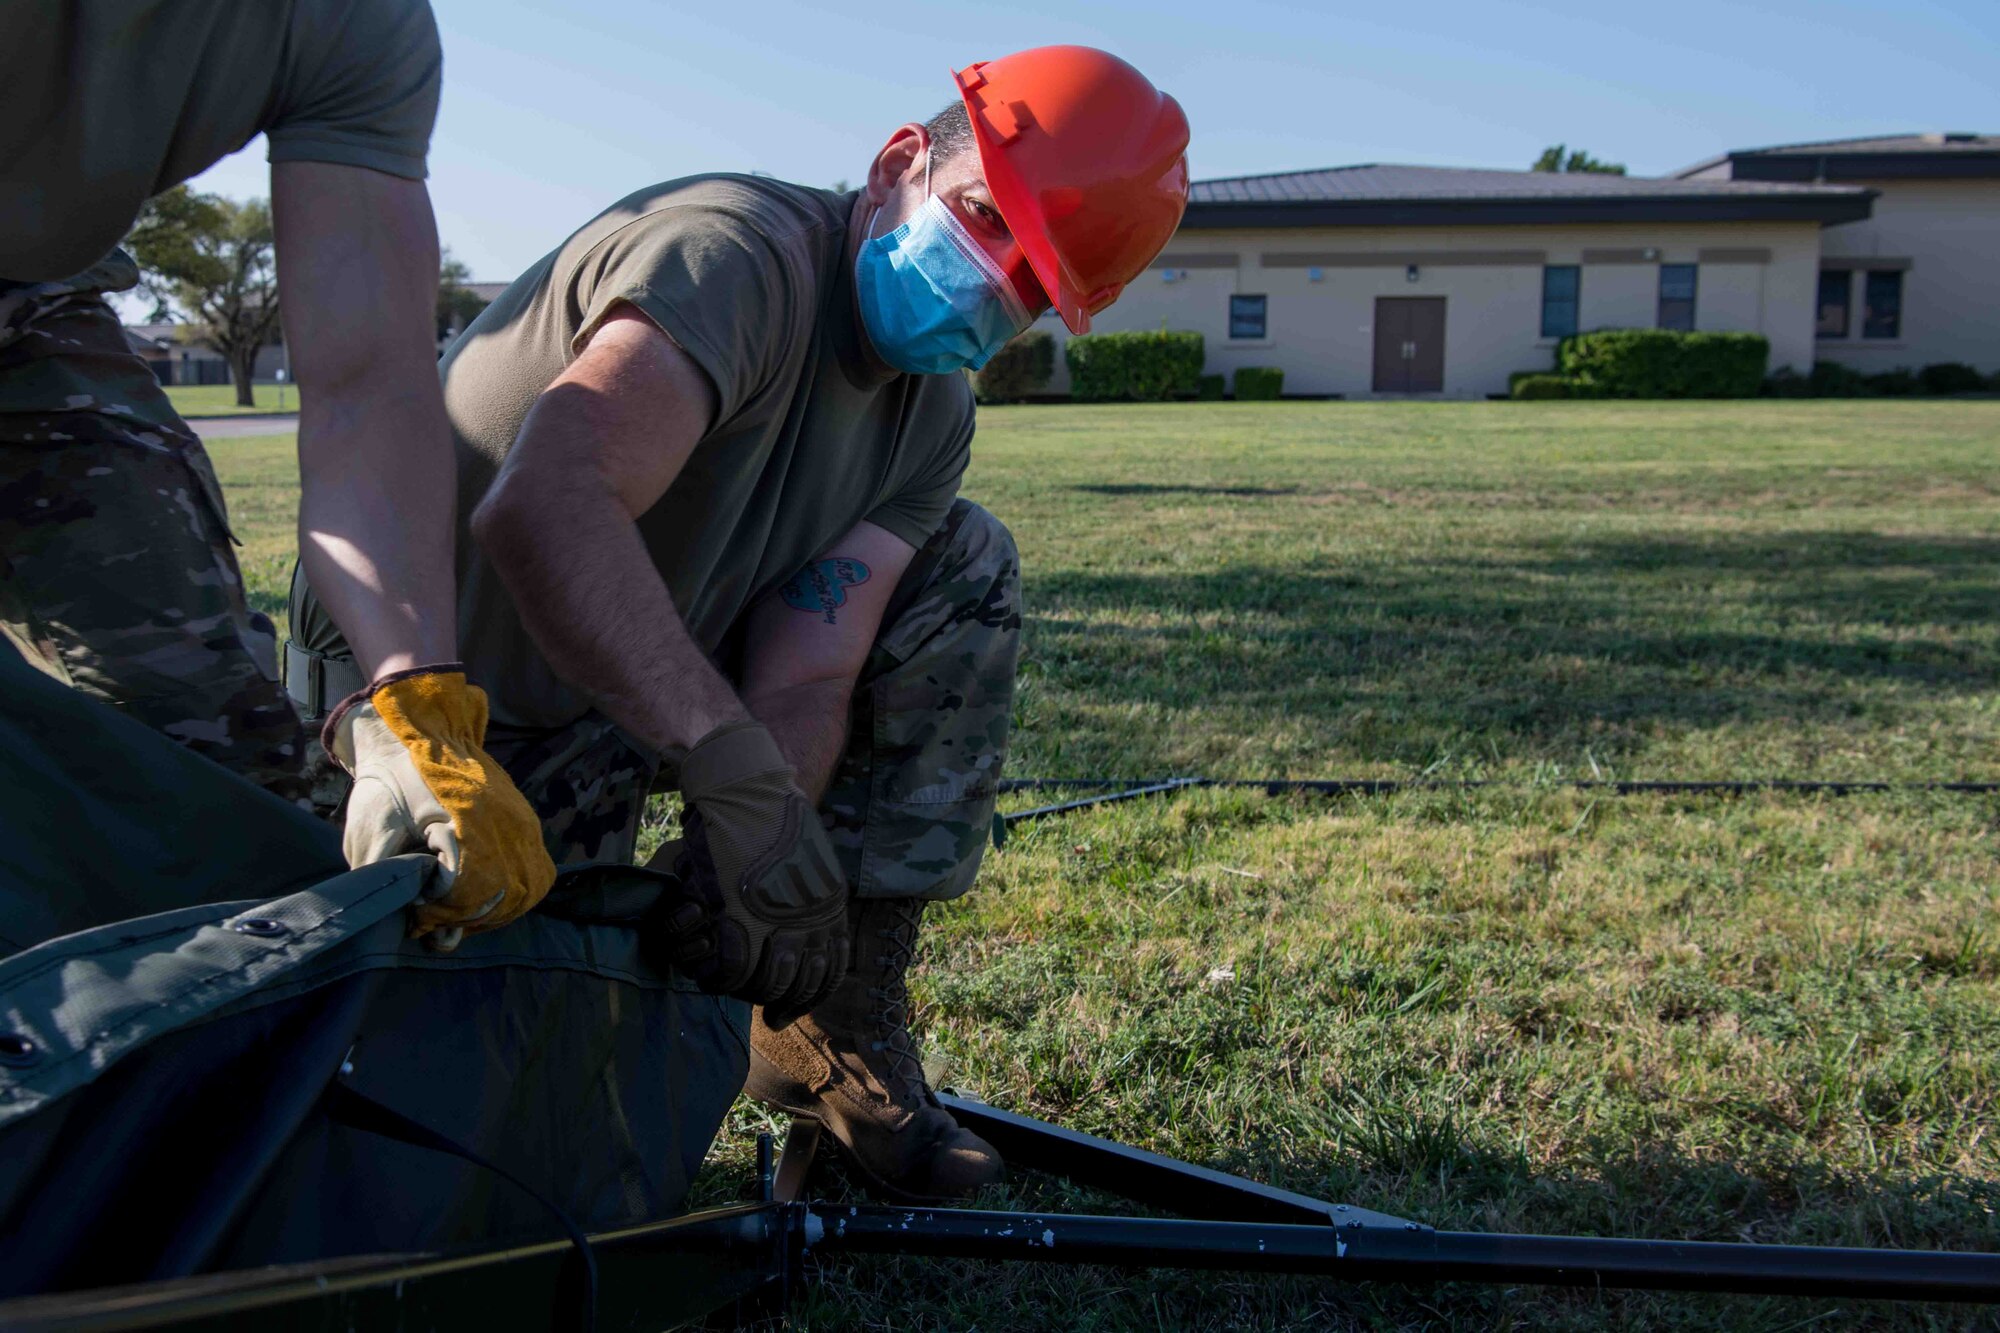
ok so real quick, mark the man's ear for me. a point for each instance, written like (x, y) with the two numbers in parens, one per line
(894, 162)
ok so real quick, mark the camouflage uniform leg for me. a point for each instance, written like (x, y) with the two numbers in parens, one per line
(910, 808)
(117, 573)
(588, 782)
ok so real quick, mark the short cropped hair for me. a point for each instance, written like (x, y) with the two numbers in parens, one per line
(951, 132)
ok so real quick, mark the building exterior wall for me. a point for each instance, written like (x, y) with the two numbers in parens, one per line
(192, 363)
(1760, 277)
(1949, 232)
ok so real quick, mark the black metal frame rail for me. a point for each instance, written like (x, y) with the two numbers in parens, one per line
(1134, 788)
(749, 1255)
(1360, 1252)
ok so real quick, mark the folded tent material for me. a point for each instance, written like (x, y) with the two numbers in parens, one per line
(185, 963)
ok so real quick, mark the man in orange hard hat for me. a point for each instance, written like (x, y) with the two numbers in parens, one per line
(710, 449)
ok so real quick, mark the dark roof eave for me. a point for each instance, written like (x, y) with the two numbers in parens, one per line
(1825, 209)
(1837, 167)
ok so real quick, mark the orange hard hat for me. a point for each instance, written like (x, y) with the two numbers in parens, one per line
(1087, 162)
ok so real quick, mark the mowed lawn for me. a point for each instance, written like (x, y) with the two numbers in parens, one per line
(195, 401)
(1515, 1008)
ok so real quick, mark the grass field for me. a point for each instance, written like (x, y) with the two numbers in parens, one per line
(1519, 1008)
(194, 401)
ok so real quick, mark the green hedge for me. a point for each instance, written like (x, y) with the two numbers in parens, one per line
(1134, 367)
(1259, 384)
(1951, 377)
(1211, 389)
(1901, 382)
(1663, 363)
(1540, 386)
(1784, 382)
(1831, 379)
(1020, 368)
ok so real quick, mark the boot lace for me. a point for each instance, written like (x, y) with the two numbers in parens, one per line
(892, 1016)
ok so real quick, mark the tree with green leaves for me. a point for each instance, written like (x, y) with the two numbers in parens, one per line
(212, 261)
(1559, 158)
(458, 305)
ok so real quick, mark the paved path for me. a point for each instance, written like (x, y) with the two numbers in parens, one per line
(236, 428)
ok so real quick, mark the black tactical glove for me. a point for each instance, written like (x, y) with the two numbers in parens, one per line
(761, 909)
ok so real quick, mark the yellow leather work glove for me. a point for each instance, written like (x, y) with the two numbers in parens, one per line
(412, 742)
(760, 907)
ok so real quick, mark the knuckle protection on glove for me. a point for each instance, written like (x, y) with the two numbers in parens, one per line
(812, 979)
(781, 969)
(755, 862)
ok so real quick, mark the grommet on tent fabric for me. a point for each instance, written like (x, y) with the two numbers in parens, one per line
(17, 1051)
(261, 926)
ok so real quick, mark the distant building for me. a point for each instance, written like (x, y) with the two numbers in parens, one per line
(455, 318)
(1391, 281)
(174, 361)
(1918, 280)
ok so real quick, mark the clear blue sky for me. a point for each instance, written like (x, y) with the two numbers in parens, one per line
(553, 108)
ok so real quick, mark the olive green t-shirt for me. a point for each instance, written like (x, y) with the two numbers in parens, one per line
(751, 277)
(109, 102)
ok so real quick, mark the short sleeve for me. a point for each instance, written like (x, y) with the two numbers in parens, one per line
(712, 281)
(920, 505)
(361, 86)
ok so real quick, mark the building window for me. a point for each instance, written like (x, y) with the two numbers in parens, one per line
(1561, 284)
(1246, 317)
(1882, 306)
(1677, 296)
(1836, 293)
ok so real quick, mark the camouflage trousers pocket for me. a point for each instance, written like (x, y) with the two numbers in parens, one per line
(120, 573)
(929, 849)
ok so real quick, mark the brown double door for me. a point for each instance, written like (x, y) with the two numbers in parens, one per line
(1409, 344)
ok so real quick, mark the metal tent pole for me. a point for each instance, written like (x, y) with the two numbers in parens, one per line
(1410, 1253)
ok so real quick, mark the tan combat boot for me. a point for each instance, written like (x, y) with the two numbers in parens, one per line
(851, 1065)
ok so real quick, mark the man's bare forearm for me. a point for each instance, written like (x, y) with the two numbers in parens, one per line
(357, 280)
(809, 723)
(588, 593)
(376, 517)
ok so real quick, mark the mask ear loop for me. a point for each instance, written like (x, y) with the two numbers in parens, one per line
(869, 231)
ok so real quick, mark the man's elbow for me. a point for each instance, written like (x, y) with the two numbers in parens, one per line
(502, 519)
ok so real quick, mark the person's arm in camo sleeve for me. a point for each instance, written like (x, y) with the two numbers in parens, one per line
(760, 908)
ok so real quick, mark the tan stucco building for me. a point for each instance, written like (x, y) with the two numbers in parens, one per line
(1391, 281)
(1918, 280)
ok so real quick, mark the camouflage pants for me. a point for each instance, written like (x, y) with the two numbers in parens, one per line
(117, 573)
(910, 807)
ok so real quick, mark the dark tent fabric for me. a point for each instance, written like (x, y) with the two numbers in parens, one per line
(185, 964)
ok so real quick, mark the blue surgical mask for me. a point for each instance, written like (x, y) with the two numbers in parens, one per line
(931, 298)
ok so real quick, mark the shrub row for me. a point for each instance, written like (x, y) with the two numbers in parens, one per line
(1134, 367)
(1663, 363)
(1259, 384)
(1538, 386)
(1020, 368)
(1649, 363)
(1830, 379)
